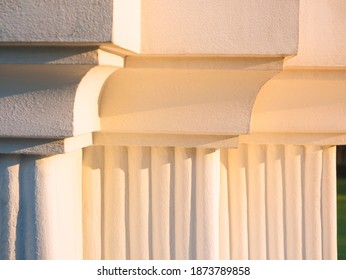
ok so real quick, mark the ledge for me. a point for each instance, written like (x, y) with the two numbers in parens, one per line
(165, 140)
(44, 146)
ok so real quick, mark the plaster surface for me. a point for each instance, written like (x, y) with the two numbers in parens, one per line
(50, 101)
(322, 35)
(180, 101)
(56, 21)
(302, 101)
(48, 55)
(39, 146)
(255, 27)
(127, 24)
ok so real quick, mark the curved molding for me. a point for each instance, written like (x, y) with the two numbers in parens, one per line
(302, 101)
(180, 101)
(50, 101)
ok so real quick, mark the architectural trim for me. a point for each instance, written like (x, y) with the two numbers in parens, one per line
(50, 101)
(181, 101)
(316, 96)
(42, 146)
(165, 140)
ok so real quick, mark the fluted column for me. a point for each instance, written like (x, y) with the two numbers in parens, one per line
(237, 165)
(40, 203)
(139, 203)
(9, 205)
(115, 203)
(185, 204)
(92, 194)
(328, 193)
(162, 166)
(293, 202)
(275, 202)
(207, 203)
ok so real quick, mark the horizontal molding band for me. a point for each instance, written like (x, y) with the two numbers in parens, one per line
(294, 138)
(44, 146)
(165, 140)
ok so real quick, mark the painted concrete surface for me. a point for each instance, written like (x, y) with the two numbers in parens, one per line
(168, 203)
(41, 211)
(69, 21)
(50, 101)
(227, 27)
(181, 101)
(221, 27)
(322, 40)
(315, 96)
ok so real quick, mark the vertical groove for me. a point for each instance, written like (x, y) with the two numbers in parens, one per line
(224, 239)
(207, 195)
(274, 203)
(256, 202)
(115, 185)
(162, 172)
(293, 202)
(40, 207)
(238, 202)
(193, 213)
(244, 203)
(9, 205)
(329, 233)
(183, 191)
(91, 194)
(139, 179)
(312, 202)
(68, 199)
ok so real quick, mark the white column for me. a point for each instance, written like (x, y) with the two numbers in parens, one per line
(274, 202)
(293, 202)
(185, 212)
(9, 205)
(92, 193)
(207, 195)
(329, 233)
(115, 203)
(312, 203)
(139, 186)
(224, 219)
(68, 196)
(38, 209)
(237, 165)
(162, 168)
(256, 202)
(40, 206)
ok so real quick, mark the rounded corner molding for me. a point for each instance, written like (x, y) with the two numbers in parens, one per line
(180, 101)
(302, 101)
(50, 101)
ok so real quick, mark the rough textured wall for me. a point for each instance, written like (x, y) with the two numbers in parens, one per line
(68, 21)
